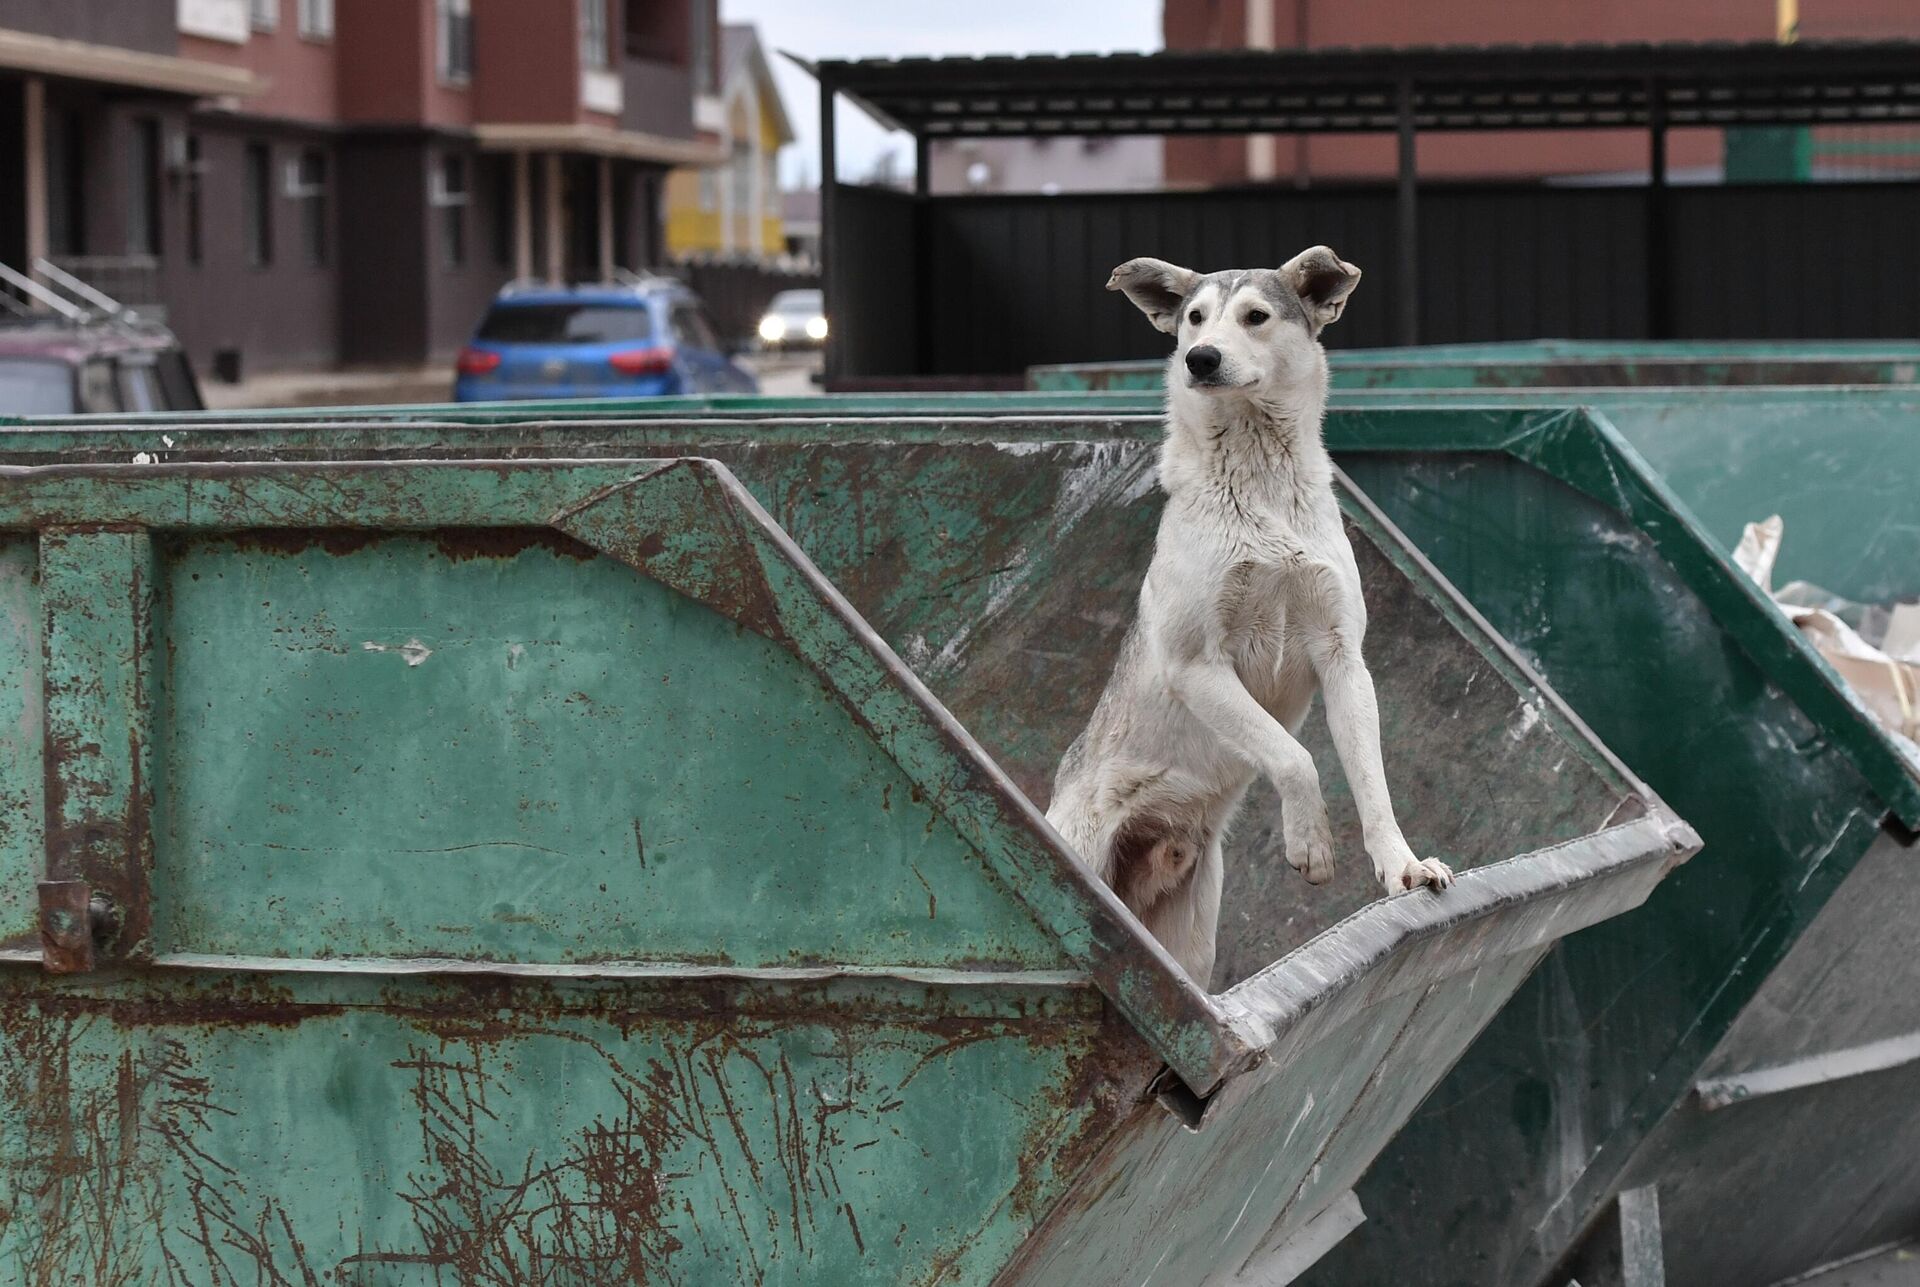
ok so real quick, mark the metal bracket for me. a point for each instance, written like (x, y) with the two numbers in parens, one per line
(74, 921)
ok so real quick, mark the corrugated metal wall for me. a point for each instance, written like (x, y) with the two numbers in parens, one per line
(872, 301)
(1011, 281)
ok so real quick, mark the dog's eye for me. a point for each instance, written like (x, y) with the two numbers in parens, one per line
(1194, 317)
(1255, 317)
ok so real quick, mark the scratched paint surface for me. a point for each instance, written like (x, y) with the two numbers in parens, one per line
(879, 1139)
(533, 755)
(22, 821)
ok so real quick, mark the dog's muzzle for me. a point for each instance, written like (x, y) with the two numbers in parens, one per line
(1203, 362)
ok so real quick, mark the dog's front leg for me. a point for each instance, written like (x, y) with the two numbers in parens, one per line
(1212, 691)
(1353, 716)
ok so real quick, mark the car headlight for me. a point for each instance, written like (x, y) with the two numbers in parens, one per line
(772, 328)
(816, 328)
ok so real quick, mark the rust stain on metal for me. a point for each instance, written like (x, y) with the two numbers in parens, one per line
(66, 926)
(337, 541)
(461, 544)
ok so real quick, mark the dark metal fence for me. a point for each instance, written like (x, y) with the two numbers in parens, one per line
(736, 291)
(987, 286)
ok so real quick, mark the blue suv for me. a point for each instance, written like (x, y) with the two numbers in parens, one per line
(642, 339)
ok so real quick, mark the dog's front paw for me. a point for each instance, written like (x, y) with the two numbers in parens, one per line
(1417, 872)
(1309, 842)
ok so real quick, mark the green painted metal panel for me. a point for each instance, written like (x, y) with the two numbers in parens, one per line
(1550, 363)
(349, 721)
(276, 1093)
(298, 1130)
(1829, 461)
(22, 741)
(96, 591)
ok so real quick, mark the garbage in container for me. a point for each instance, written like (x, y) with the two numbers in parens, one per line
(1887, 681)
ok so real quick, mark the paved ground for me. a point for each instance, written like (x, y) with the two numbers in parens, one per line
(1897, 1268)
(785, 375)
(331, 388)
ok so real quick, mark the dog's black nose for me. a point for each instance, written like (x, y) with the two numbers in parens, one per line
(1203, 360)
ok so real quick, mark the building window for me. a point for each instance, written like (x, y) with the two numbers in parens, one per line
(307, 184)
(450, 198)
(263, 14)
(143, 189)
(195, 236)
(709, 188)
(257, 212)
(593, 34)
(455, 40)
(316, 19)
(700, 52)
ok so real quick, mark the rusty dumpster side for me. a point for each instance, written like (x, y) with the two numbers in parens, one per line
(536, 871)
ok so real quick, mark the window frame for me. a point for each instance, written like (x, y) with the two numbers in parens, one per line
(596, 36)
(453, 41)
(452, 200)
(315, 19)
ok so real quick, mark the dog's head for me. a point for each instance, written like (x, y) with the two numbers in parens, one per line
(1244, 331)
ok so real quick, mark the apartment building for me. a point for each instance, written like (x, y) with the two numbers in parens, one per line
(1692, 154)
(304, 183)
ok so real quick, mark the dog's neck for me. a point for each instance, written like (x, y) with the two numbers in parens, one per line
(1259, 452)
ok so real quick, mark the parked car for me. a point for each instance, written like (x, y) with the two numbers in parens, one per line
(640, 339)
(53, 367)
(796, 319)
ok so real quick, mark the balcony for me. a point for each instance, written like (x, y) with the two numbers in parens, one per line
(658, 97)
(602, 91)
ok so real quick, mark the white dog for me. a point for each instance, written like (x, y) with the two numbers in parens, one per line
(1251, 602)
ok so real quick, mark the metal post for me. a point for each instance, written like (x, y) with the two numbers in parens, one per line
(830, 360)
(922, 232)
(606, 218)
(1659, 252)
(34, 188)
(1408, 268)
(556, 221)
(522, 216)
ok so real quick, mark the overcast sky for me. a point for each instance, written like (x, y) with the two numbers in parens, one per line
(896, 28)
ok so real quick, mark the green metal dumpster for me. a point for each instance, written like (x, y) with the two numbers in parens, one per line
(486, 870)
(1629, 1064)
(1839, 465)
(1558, 363)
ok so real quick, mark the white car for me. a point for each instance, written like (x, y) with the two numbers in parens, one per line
(794, 320)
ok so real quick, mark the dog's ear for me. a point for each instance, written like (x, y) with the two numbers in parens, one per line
(1324, 280)
(1156, 288)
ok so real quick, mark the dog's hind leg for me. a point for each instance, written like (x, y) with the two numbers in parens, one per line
(1187, 920)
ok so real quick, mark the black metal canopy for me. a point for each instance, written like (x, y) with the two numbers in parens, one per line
(1444, 88)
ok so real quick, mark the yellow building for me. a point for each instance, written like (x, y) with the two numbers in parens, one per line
(733, 209)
